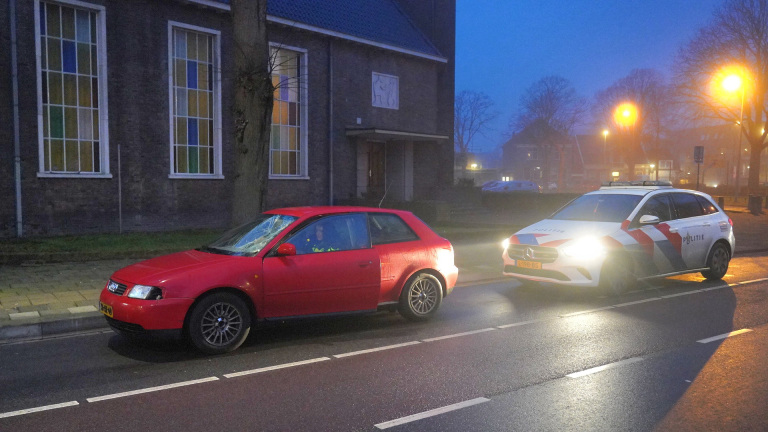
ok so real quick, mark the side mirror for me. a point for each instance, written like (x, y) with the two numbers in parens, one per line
(286, 249)
(649, 220)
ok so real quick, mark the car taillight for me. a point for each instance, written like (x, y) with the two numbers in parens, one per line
(730, 221)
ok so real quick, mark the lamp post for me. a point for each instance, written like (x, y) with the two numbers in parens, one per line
(625, 115)
(731, 83)
(605, 160)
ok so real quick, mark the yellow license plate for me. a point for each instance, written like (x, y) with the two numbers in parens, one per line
(105, 309)
(529, 264)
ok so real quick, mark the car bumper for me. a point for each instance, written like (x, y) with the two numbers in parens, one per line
(451, 276)
(566, 272)
(142, 316)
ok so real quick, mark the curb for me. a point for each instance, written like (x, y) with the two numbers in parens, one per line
(43, 329)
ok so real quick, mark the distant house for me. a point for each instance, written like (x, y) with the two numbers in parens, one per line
(124, 117)
(523, 158)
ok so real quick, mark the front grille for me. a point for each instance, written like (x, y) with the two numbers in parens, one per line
(124, 326)
(116, 288)
(523, 252)
(549, 274)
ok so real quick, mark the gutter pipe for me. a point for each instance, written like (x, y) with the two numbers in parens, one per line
(16, 139)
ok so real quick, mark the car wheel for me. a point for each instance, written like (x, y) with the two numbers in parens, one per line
(717, 262)
(616, 276)
(421, 297)
(219, 323)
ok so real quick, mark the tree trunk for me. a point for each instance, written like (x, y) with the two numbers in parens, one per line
(252, 110)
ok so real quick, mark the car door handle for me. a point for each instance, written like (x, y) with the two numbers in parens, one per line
(706, 224)
(364, 263)
(673, 230)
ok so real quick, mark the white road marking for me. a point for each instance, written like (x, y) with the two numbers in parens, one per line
(431, 413)
(518, 324)
(586, 311)
(376, 349)
(459, 334)
(276, 367)
(38, 409)
(752, 281)
(637, 302)
(151, 389)
(604, 367)
(681, 294)
(723, 336)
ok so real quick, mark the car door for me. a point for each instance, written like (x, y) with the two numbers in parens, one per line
(694, 228)
(658, 245)
(336, 273)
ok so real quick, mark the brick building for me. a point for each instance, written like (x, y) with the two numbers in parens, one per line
(124, 116)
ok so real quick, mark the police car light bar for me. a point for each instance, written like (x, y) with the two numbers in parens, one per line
(640, 183)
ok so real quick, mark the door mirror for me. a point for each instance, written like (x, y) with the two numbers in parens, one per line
(286, 249)
(648, 220)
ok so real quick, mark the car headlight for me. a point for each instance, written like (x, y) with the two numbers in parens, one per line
(585, 248)
(505, 243)
(145, 292)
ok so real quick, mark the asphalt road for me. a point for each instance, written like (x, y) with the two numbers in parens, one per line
(496, 358)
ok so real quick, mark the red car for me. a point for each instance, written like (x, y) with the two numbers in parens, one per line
(291, 262)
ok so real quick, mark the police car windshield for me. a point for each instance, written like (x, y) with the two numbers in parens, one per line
(599, 208)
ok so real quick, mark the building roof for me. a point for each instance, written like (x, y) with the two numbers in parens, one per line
(381, 22)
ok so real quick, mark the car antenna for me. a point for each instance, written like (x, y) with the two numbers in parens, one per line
(386, 189)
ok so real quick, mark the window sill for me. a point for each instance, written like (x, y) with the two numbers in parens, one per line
(74, 175)
(273, 177)
(196, 177)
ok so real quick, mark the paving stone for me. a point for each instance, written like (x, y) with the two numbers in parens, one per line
(42, 299)
(69, 296)
(16, 302)
(90, 294)
(83, 309)
(55, 312)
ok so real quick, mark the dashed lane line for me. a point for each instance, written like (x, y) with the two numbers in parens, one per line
(604, 367)
(723, 336)
(459, 334)
(276, 367)
(431, 413)
(151, 389)
(388, 347)
(38, 409)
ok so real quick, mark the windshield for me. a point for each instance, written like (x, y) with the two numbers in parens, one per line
(250, 238)
(599, 208)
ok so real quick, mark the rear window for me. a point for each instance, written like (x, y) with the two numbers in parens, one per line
(599, 208)
(389, 228)
(707, 205)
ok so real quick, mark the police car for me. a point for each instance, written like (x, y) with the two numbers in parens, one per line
(623, 232)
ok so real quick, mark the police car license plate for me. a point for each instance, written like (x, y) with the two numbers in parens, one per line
(529, 264)
(105, 309)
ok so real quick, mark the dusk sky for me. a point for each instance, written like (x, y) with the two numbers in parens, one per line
(504, 46)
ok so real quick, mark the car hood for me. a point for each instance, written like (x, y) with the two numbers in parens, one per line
(553, 233)
(157, 270)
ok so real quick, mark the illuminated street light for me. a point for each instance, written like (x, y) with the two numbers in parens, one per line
(625, 114)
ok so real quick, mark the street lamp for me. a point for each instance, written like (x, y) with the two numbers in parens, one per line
(732, 83)
(625, 116)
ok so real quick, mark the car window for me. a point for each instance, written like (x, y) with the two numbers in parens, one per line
(687, 205)
(332, 233)
(389, 228)
(657, 206)
(707, 205)
(599, 208)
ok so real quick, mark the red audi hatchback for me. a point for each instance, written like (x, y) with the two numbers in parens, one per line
(291, 262)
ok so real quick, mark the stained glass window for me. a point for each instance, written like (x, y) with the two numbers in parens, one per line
(286, 147)
(194, 96)
(69, 62)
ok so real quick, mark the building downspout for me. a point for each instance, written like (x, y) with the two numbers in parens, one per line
(330, 121)
(16, 139)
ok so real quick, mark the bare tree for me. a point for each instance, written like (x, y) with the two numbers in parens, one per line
(473, 111)
(736, 38)
(550, 109)
(252, 111)
(648, 91)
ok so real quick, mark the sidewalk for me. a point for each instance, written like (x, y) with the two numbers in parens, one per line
(44, 299)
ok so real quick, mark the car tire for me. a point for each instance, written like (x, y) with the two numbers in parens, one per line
(219, 323)
(421, 297)
(616, 276)
(717, 262)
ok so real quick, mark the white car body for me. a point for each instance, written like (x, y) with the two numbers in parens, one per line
(573, 252)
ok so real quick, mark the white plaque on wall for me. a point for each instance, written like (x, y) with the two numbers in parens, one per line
(385, 90)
